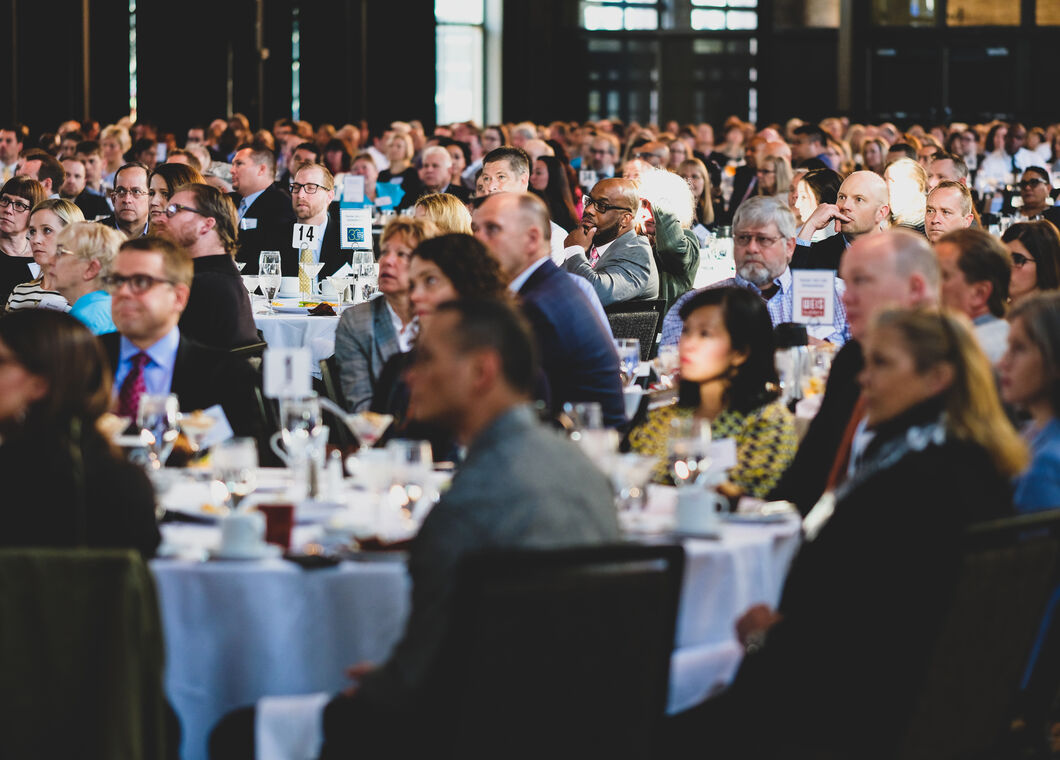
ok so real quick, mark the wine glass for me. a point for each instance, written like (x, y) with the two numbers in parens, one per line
(250, 282)
(412, 465)
(269, 280)
(628, 358)
(310, 269)
(235, 464)
(342, 283)
(157, 419)
(240, 265)
(688, 450)
(367, 277)
(268, 257)
(668, 362)
(195, 427)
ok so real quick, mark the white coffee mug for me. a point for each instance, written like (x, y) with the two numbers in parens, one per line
(242, 533)
(697, 510)
(289, 286)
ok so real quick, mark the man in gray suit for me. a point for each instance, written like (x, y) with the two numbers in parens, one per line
(520, 486)
(606, 250)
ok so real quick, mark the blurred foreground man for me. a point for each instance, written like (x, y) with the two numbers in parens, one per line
(473, 374)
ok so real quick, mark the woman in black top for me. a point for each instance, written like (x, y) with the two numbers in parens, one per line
(63, 485)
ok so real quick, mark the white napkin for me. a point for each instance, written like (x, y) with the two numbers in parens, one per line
(290, 728)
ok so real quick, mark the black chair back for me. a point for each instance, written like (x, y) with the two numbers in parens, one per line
(638, 319)
(560, 653)
(329, 379)
(1009, 570)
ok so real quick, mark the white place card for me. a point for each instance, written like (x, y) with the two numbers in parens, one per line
(287, 372)
(356, 228)
(813, 296)
(219, 431)
(353, 189)
(722, 454)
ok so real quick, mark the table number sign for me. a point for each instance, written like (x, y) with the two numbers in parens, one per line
(287, 372)
(356, 228)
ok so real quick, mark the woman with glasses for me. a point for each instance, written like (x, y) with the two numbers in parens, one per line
(1034, 187)
(85, 252)
(1035, 250)
(17, 197)
(46, 221)
(694, 172)
(65, 485)
(774, 176)
(165, 180)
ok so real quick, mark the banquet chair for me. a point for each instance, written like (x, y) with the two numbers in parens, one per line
(329, 382)
(1010, 568)
(558, 653)
(81, 656)
(638, 319)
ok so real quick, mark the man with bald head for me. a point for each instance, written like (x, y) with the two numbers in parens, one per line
(861, 208)
(607, 251)
(435, 171)
(576, 351)
(894, 269)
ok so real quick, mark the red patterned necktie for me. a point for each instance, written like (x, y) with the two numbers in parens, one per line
(594, 256)
(133, 387)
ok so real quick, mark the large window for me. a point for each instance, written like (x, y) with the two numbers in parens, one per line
(132, 59)
(724, 14)
(613, 15)
(464, 31)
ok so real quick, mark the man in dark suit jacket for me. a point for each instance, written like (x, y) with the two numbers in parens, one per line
(316, 223)
(73, 189)
(150, 281)
(860, 209)
(577, 354)
(262, 209)
(435, 169)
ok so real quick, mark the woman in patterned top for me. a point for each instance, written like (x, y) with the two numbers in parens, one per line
(728, 378)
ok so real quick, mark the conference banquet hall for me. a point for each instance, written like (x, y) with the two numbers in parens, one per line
(486, 378)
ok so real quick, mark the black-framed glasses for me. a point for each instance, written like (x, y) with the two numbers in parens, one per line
(18, 205)
(1019, 260)
(310, 187)
(121, 192)
(764, 241)
(1027, 183)
(765, 171)
(138, 283)
(603, 206)
(175, 208)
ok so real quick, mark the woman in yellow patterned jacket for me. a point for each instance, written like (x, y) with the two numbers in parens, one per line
(728, 378)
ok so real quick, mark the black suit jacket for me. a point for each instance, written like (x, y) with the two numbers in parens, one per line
(218, 313)
(824, 254)
(1053, 215)
(93, 206)
(205, 376)
(744, 178)
(577, 354)
(332, 255)
(272, 213)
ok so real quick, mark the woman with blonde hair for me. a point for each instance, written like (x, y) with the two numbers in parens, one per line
(774, 176)
(447, 212)
(881, 556)
(46, 221)
(695, 173)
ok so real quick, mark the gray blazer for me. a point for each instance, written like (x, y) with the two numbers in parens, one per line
(626, 272)
(364, 340)
(521, 486)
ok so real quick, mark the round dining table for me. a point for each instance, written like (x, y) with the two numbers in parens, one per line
(237, 631)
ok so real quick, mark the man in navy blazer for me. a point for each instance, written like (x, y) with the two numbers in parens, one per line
(577, 354)
(261, 208)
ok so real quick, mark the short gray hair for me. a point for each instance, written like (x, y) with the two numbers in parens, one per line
(762, 210)
(913, 253)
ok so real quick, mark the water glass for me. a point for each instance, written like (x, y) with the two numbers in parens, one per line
(235, 463)
(688, 450)
(270, 280)
(158, 419)
(628, 358)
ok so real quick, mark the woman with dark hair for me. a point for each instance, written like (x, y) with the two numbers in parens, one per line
(335, 157)
(729, 379)
(548, 181)
(18, 197)
(164, 181)
(144, 150)
(443, 268)
(494, 136)
(813, 188)
(64, 484)
(1035, 249)
(1030, 380)
(1035, 187)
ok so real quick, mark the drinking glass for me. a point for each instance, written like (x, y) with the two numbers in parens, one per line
(250, 282)
(158, 419)
(628, 358)
(688, 450)
(310, 269)
(367, 277)
(240, 265)
(268, 257)
(412, 464)
(195, 427)
(269, 280)
(342, 284)
(668, 363)
(235, 464)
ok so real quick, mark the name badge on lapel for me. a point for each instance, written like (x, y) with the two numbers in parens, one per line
(246, 223)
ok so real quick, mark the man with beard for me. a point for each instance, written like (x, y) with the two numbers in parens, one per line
(763, 241)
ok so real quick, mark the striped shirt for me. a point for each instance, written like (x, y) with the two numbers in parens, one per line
(32, 295)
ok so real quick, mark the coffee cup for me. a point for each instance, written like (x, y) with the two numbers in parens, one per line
(697, 511)
(242, 534)
(289, 286)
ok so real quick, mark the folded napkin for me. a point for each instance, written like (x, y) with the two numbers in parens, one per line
(290, 728)
(322, 310)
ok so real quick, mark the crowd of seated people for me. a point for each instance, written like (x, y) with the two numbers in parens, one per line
(945, 259)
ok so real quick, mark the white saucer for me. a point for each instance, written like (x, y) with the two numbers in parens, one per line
(264, 551)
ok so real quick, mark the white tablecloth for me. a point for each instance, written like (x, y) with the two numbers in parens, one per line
(297, 331)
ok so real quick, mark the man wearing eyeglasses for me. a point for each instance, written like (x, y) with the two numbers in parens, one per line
(602, 156)
(763, 242)
(263, 210)
(606, 250)
(202, 220)
(1034, 186)
(149, 283)
(316, 226)
(132, 206)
